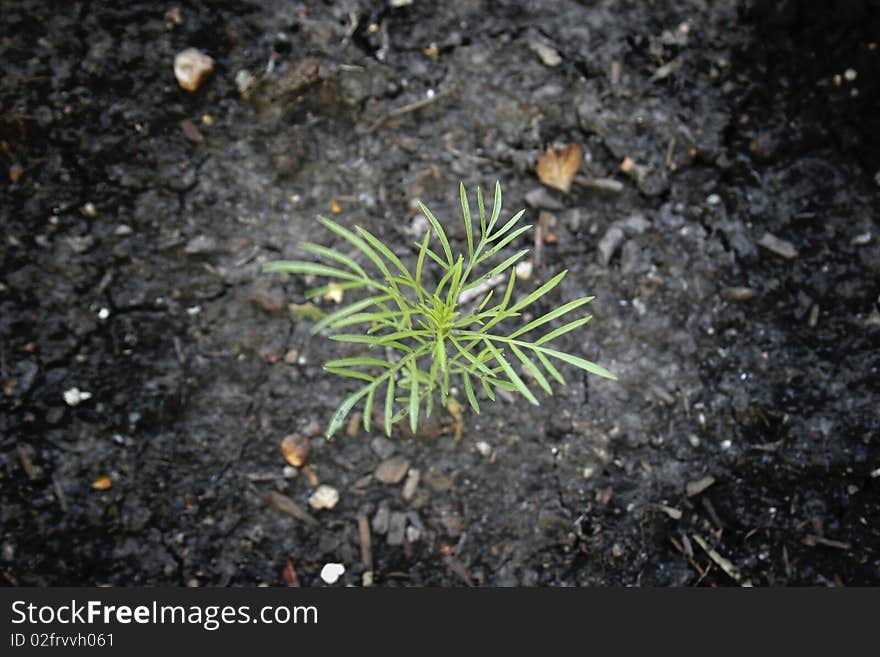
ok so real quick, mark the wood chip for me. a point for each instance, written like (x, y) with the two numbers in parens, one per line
(295, 449)
(102, 483)
(558, 169)
(291, 508)
(696, 487)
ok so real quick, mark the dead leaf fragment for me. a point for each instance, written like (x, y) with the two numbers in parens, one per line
(102, 483)
(696, 487)
(335, 208)
(191, 132)
(288, 574)
(291, 508)
(558, 169)
(295, 449)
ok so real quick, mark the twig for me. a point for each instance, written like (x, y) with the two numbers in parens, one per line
(601, 184)
(725, 564)
(411, 107)
(365, 540)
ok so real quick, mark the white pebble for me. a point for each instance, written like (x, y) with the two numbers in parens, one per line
(104, 313)
(324, 497)
(524, 270)
(74, 396)
(331, 572)
(483, 447)
(850, 74)
(191, 67)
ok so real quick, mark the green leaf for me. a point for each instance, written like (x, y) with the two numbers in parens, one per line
(482, 207)
(385, 251)
(550, 316)
(413, 396)
(540, 292)
(532, 368)
(368, 408)
(444, 242)
(506, 227)
(496, 207)
(389, 405)
(578, 362)
(423, 249)
(511, 373)
(507, 240)
(358, 361)
(468, 222)
(344, 409)
(330, 254)
(302, 267)
(351, 309)
(550, 368)
(351, 374)
(469, 391)
(555, 333)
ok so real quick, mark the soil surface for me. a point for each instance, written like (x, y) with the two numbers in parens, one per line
(150, 370)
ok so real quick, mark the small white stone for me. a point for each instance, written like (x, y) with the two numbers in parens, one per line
(74, 396)
(331, 572)
(192, 311)
(483, 447)
(850, 74)
(588, 472)
(324, 497)
(104, 313)
(524, 270)
(191, 67)
(713, 199)
(726, 444)
(289, 472)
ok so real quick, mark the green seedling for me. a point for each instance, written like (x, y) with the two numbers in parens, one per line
(417, 342)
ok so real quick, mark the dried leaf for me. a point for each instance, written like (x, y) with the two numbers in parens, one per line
(102, 483)
(557, 170)
(295, 449)
(191, 132)
(288, 574)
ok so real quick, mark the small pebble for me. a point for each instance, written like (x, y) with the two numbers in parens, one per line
(392, 470)
(331, 572)
(75, 396)
(324, 497)
(191, 67)
(484, 448)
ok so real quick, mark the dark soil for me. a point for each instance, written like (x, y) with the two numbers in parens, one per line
(132, 253)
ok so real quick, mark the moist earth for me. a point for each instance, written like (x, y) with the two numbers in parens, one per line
(725, 217)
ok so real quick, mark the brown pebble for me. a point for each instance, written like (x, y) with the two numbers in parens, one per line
(191, 68)
(392, 470)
